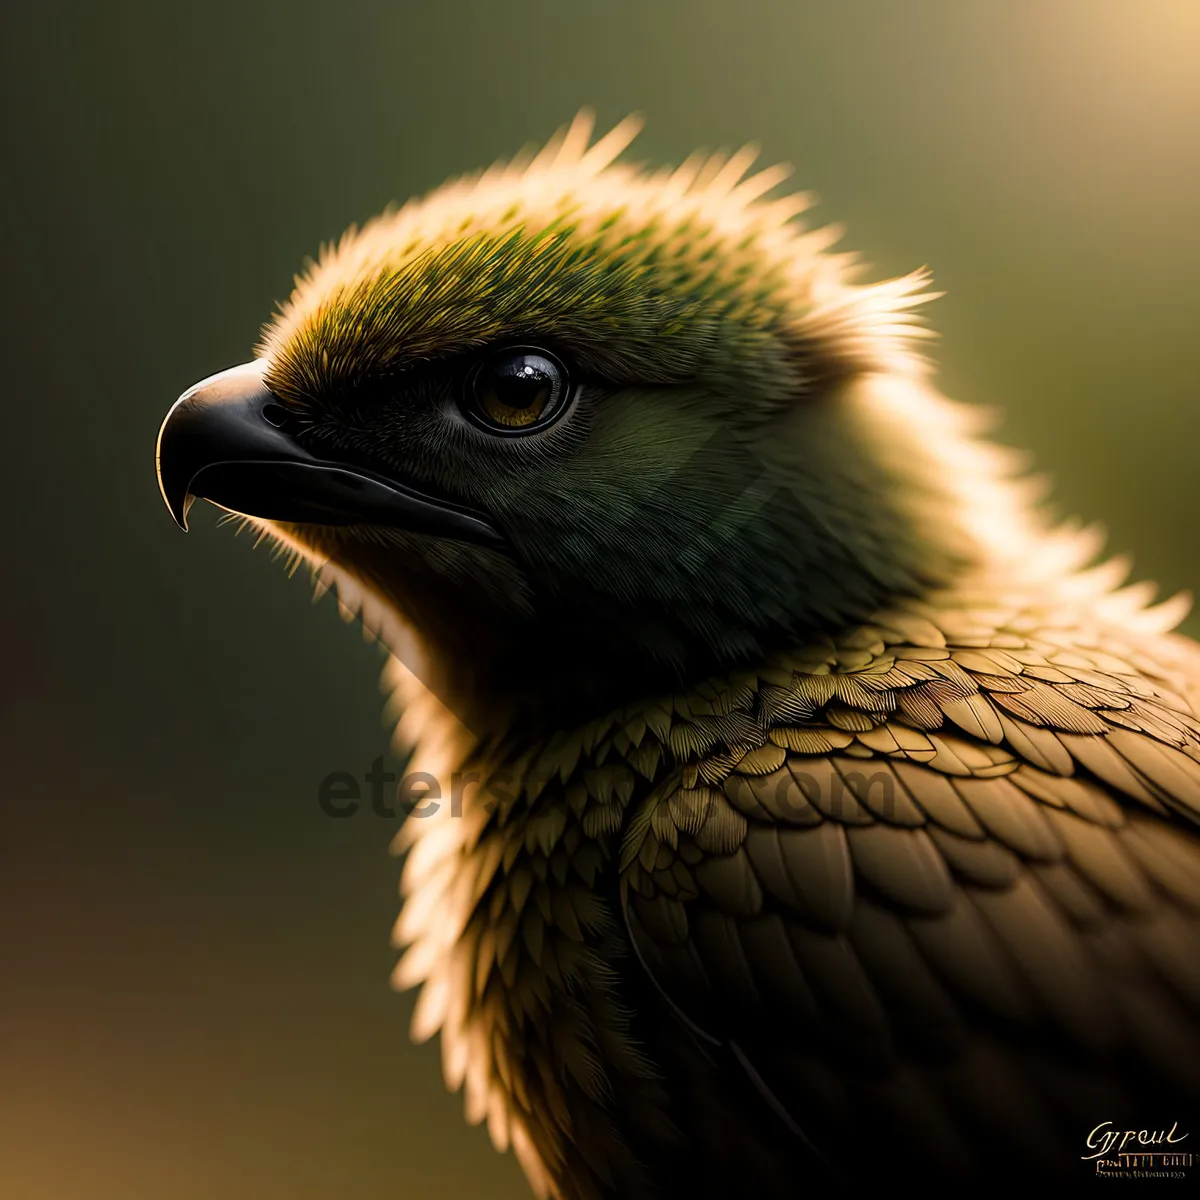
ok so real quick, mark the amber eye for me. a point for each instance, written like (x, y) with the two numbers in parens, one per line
(517, 390)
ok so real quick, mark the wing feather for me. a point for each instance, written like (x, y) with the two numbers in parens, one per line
(957, 884)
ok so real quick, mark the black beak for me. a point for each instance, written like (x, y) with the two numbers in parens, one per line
(225, 440)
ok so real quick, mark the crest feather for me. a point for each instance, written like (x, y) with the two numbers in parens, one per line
(691, 273)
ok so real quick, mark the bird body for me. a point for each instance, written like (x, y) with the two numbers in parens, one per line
(935, 878)
(819, 814)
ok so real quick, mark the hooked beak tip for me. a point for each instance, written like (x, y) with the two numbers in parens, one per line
(180, 512)
(175, 476)
(178, 505)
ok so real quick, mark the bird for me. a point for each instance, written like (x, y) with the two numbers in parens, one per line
(805, 805)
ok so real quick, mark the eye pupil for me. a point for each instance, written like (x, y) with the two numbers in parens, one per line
(516, 390)
(524, 389)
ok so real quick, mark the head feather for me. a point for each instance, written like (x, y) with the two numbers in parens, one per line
(666, 277)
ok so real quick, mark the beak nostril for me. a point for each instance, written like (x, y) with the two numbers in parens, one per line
(275, 414)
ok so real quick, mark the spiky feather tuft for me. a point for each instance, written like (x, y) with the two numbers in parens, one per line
(654, 277)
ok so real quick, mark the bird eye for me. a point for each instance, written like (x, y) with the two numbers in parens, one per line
(517, 390)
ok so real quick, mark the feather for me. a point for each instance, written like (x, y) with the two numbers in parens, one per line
(730, 881)
(772, 960)
(1053, 965)
(920, 708)
(1037, 746)
(987, 662)
(903, 866)
(1098, 856)
(974, 715)
(665, 919)
(1168, 856)
(774, 797)
(1080, 903)
(765, 853)
(716, 940)
(965, 955)
(761, 761)
(937, 797)
(884, 795)
(918, 1005)
(1009, 815)
(1168, 941)
(983, 863)
(1176, 774)
(811, 741)
(824, 782)
(1081, 796)
(853, 1019)
(724, 828)
(818, 866)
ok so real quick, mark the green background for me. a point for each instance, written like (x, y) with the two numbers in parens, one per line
(194, 960)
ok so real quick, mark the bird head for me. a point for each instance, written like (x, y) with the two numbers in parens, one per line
(591, 430)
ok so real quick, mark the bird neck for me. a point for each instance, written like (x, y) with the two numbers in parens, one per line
(876, 494)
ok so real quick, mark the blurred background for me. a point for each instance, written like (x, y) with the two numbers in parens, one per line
(193, 956)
